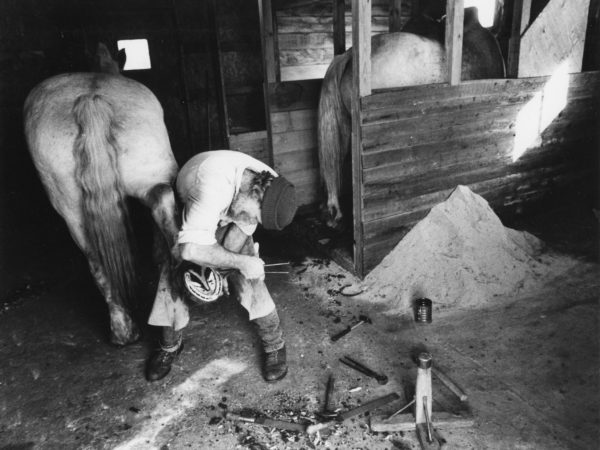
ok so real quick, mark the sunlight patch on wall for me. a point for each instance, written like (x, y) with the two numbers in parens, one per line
(137, 52)
(201, 386)
(540, 111)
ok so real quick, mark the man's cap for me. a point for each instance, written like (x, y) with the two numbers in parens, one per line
(279, 204)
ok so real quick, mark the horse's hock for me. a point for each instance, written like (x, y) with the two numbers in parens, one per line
(516, 142)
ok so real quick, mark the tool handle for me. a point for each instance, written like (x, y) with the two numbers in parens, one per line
(318, 427)
(450, 384)
(232, 416)
(381, 378)
(341, 334)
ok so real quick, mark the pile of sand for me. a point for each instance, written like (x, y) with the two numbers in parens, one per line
(459, 255)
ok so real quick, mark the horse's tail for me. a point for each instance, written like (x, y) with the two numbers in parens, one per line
(106, 220)
(334, 132)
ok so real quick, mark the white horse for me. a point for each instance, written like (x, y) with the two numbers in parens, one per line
(95, 139)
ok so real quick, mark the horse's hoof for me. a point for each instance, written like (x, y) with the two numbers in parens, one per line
(122, 341)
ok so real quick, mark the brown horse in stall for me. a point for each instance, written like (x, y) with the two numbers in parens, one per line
(397, 59)
(96, 139)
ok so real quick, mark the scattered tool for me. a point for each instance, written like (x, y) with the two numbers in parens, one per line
(365, 407)
(277, 264)
(361, 319)
(449, 383)
(381, 378)
(425, 423)
(401, 409)
(266, 422)
(328, 412)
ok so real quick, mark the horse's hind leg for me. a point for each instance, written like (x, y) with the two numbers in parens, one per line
(168, 310)
(123, 329)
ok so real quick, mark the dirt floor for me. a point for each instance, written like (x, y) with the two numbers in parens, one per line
(529, 365)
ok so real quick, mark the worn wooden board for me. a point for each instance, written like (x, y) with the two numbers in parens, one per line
(293, 123)
(293, 95)
(254, 144)
(555, 39)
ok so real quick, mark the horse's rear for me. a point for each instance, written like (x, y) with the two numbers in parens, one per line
(397, 59)
(96, 139)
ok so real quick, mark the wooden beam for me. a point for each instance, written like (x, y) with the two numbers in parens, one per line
(455, 12)
(339, 27)
(395, 17)
(270, 65)
(361, 76)
(521, 17)
(218, 74)
(268, 41)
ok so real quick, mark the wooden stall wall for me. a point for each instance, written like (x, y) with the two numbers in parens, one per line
(305, 33)
(419, 143)
(293, 115)
(237, 42)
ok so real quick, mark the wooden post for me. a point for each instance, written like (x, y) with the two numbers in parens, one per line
(182, 76)
(218, 67)
(521, 16)
(268, 41)
(455, 12)
(339, 27)
(271, 71)
(361, 76)
(361, 45)
(395, 18)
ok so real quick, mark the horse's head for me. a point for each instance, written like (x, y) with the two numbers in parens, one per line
(104, 62)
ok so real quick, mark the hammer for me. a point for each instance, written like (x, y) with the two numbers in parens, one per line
(361, 319)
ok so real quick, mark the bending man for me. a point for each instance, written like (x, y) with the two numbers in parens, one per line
(225, 195)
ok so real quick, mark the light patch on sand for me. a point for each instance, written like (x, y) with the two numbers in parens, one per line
(200, 386)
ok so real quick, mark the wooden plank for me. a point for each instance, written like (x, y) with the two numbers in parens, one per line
(406, 422)
(294, 95)
(323, 24)
(384, 190)
(407, 194)
(294, 141)
(469, 146)
(465, 124)
(455, 12)
(339, 27)
(388, 104)
(361, 78)
(295, 161)
(521, 17)
(306, 72)
(254, 144)
(395, 15)
(297, 120)
(555, 39)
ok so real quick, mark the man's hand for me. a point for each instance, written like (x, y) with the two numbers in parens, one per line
(253, 268)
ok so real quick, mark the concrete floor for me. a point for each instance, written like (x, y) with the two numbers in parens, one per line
(529, 365)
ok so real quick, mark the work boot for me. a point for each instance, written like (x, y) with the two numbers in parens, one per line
(275, 365)
(160, 363)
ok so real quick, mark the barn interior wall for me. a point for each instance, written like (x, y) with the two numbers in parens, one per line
(305, 34)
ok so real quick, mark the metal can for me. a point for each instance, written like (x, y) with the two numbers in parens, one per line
(423, 310)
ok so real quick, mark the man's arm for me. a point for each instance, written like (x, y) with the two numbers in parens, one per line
(216, 256)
